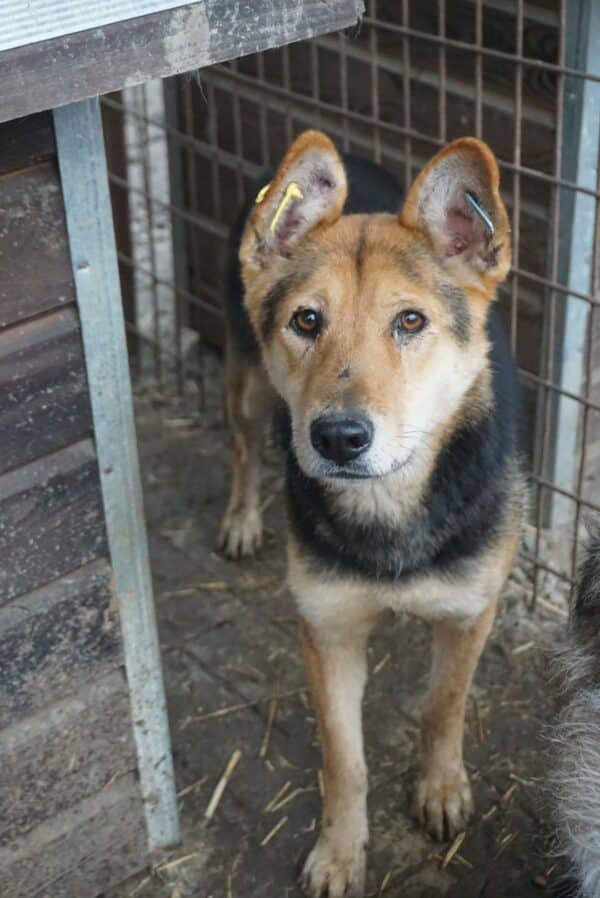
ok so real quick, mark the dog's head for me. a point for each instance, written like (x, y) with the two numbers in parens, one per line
(373, 327)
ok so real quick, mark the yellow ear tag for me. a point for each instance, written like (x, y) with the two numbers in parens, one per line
(261, 194)
(292, 192)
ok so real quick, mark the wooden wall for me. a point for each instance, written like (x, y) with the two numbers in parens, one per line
(71, 816)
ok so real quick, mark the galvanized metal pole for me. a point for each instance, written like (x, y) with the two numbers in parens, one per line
(581, 141)
(94, 260)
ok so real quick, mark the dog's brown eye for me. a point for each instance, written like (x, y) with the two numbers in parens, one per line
(409, 322)
(306, 323)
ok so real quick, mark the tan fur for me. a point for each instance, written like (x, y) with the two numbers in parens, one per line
(336, 666)
(444, 802)
(443, 799)
(416, 398)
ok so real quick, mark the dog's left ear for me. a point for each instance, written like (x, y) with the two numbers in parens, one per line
(455, 202)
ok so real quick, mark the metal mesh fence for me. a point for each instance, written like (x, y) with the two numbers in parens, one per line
(524, 76)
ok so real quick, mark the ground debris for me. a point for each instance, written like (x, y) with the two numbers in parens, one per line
(222, 784)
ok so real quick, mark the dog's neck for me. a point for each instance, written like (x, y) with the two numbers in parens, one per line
(391, 498)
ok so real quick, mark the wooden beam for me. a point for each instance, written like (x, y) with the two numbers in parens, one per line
(55, 72)
(44, 402)
(57, 638)
(67, 855)
(33, 227)
(26, 142)
(58, 496)
(65, 755)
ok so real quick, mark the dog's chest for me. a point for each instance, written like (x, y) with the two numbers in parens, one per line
(428, 595)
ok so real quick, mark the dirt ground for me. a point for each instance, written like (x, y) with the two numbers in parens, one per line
(235, 683)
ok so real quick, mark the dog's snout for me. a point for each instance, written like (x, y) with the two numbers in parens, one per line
(339, 438)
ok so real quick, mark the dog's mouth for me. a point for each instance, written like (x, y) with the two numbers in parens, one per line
(344, 474)
(359, 471)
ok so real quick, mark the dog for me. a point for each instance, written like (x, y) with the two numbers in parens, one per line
(372, 325)
(575, 739)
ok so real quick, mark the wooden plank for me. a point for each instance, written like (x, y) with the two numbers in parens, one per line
(64, 754)
(44, 402)
(26, 141)
(34, 257)
(40, 20)
(51, 519)
(81, 852)
(55, 72)
(55, 639)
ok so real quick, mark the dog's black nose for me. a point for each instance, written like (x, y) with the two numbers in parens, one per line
(341, 439)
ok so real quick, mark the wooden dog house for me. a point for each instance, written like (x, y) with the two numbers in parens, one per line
(87, 793)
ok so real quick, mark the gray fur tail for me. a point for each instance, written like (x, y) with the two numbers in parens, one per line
(576, 779)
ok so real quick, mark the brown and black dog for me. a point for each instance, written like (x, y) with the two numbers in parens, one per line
(373, 327)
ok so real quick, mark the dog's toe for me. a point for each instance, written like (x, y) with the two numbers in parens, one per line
(241, 533)
(335, 871)
(444, 805)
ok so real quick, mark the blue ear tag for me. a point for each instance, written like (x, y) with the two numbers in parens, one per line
(480, 211)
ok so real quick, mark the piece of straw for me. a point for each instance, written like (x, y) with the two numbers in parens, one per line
(262, 752)
(273, 832)
(381, 664)
(385, 882)
(290, 797)
(222, 784)
(168, 865)
(453, 849)
(278, 795)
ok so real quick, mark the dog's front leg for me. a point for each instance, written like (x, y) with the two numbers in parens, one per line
(444, 800)
(336, 667)
(249, 401)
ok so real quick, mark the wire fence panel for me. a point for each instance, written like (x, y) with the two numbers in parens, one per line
(523, 76)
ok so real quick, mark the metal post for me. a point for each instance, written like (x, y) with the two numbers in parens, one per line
(93, 257)
(581, 140)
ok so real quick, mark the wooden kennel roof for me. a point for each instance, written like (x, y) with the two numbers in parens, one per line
(54, 52)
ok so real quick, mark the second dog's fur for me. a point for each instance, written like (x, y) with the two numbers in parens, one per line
(575, 777)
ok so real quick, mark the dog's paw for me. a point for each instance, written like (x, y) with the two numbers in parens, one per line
(336, 868)
(444, 804)
(241, 533)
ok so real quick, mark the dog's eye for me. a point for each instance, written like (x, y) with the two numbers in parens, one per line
(306, 323)
(409, 322)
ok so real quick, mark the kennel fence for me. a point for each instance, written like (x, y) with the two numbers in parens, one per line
(525, 76)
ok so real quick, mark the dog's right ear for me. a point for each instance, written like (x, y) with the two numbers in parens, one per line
(308, 191)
